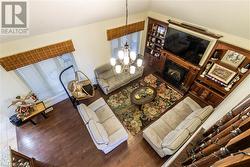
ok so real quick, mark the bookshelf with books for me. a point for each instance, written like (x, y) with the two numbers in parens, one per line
(155, 39)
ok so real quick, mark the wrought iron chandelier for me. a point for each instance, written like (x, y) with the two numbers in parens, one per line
(127, 61)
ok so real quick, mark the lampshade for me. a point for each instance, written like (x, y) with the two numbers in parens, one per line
(120, 54)
(132, 69)
(139, 62)
(113, 61)
(126, 60)
(118, 69)
(133, 55)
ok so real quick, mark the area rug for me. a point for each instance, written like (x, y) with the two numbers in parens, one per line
(136, 118)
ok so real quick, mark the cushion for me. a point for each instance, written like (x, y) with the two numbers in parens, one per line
(87, 113)
(103, 82)
(113, 81)
(183, 109)
(191, 124)
(175, 139)
(168, 151)
(192, 104)
(153, 137)
(98, 132)
(112, 125)
(92, 114)
(203, 112)
(173, 117)
(103, 113)
(82, 111)
(106, 74)
(97, 104)
(161, 128)
(117, 137)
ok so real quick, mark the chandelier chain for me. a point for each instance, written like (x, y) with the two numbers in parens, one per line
(127, 60)
(126, 12)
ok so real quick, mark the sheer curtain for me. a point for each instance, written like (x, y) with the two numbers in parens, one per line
(132, 39)
(43, 77)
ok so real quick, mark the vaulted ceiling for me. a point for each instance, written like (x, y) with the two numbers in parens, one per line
(231, 16)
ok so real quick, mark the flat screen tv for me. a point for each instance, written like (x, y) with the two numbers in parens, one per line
(188, 45)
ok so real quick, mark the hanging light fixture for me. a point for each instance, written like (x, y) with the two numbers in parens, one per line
(127, 61)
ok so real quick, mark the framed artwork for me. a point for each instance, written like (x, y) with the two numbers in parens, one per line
(233, 58)
(221, 73)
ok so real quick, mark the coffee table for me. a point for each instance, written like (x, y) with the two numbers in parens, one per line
(145, 95)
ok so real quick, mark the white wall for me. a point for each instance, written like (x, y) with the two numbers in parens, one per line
(7, 131)
(230, 16)
(92, 49)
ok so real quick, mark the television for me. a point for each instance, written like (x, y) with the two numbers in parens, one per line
(189, 45)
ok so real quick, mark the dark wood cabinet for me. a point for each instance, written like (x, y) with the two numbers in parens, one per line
(212, 90)
(198, 80)
(206, 94)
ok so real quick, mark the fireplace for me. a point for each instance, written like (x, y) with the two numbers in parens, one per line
(174, 74)
(176, 71)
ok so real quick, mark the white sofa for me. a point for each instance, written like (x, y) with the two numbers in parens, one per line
(105, 129)
(172, 130)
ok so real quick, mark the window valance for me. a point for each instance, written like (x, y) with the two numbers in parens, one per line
(124, 30)
(36, 55)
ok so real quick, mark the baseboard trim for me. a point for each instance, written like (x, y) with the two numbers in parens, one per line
(56, 99)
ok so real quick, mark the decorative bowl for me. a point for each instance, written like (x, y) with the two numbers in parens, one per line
(149, 91)
(137, 96)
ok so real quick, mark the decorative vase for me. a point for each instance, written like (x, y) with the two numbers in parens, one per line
(206, 70)
(230, 85)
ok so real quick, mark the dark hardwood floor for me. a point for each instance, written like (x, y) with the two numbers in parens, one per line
(62, 140)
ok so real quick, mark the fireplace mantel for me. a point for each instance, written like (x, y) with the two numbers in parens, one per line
(192, 69)
(179, 60)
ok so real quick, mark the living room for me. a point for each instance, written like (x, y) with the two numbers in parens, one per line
(89, 35)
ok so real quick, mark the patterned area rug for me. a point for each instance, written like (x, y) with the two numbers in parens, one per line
(132, 116)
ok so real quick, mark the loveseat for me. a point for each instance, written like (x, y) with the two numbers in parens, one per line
(105, 129)
(109, 81)
(173, 129)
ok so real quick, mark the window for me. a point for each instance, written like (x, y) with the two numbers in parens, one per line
(43, 77)
(132, 39)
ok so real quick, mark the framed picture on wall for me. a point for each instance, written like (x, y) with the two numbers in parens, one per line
(221, 73)
(233, 58)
